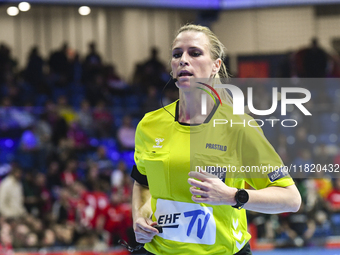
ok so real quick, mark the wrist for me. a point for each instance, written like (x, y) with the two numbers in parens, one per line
(232, 201)
(241, 198)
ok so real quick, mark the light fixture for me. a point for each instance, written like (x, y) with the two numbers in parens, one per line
(84, 10)
(12, 11)
(24, 6)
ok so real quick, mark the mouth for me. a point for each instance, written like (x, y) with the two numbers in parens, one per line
(185, 74)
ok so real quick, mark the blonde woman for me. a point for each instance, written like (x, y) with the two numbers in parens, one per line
(178, 207)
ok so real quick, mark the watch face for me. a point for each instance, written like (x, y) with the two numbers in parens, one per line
(242, 196)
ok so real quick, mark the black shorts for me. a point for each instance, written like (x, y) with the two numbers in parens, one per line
(244, 251)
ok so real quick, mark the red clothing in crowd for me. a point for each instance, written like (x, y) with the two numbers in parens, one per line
(95, 205)
(68, 178)
(334, 198)
(118, 220)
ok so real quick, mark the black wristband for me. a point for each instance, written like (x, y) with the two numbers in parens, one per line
(241, 198)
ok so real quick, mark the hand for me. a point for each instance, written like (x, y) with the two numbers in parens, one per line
(211, 189)
(144, 231)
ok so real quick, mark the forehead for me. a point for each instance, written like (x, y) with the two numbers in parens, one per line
(191, 39)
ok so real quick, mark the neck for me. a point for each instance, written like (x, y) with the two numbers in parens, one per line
(190, 107)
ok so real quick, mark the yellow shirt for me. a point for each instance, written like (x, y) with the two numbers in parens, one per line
(166, 151)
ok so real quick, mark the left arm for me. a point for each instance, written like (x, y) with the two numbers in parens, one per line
(272, 199)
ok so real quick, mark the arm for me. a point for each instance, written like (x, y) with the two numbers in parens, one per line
(141, 213)
(274, 199)
(268, 200)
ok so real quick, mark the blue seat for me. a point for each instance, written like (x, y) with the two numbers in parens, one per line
(132, 100)
(329, 123)
(58, 92)
(114, 155)
(6, 156)
(328, 139)
(335, 222)
(117, 101)
(128, 158)
(40, 100)
(76, 100)
(332, 85)
(135, 121)
(109, 143)
(118, 111)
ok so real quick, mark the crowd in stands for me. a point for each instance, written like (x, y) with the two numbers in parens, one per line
(67, 126)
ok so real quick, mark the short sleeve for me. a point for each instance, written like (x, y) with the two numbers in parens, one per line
(260, 158)
(138, 172)
(139, 149)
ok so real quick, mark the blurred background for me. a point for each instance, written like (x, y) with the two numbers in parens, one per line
(77, 76)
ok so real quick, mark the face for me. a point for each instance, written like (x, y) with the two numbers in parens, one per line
(191, 58)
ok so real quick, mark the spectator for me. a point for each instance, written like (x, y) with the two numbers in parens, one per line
(49, 238)
(44, 195)
(333, 198)
(59, 130)
(6, 62)
(43, 131)
(62, 210)
(29, 149)
(315, 61)
(115, 84)
(103, 120)
(64, 234)
(20, 234)
(31, 240)
(103, 162)
(78, 137)
(86, 118)
(76, 69)
(303, 158)
(324, 102)
(92, 63)
(282, 149)
(151, 102)
(97, 90)
(8, 122)
(96, 203)
(92, 177)
(59, 63)
(34, 69)
(298, 227)
(153, 69)
(31, 194)
(69, 175)
(12, 196)
(118, 218)
(53, 177)
(65, 110)
(117, 176)
(301, 142)
(6, 238)
(126, 134)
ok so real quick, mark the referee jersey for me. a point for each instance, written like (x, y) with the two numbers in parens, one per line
(166, 151)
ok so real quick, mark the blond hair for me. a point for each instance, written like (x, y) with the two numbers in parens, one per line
(217, 50)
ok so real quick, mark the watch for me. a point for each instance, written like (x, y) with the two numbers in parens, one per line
(241, 198)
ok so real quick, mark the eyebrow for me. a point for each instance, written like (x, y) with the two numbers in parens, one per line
(190, 48)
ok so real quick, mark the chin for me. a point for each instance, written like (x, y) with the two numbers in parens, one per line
(185, 86)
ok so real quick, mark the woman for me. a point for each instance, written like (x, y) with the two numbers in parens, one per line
(200, 214)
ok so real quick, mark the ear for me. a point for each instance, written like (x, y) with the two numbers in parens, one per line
(216, 66)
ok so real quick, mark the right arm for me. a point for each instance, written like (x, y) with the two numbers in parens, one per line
(141, 213)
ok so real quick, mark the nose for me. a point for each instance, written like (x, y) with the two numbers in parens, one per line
(184, 60)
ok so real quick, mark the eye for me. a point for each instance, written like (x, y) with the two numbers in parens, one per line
(196, 54)
(176, 55)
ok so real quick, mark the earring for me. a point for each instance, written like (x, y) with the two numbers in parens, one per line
(171, 74)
